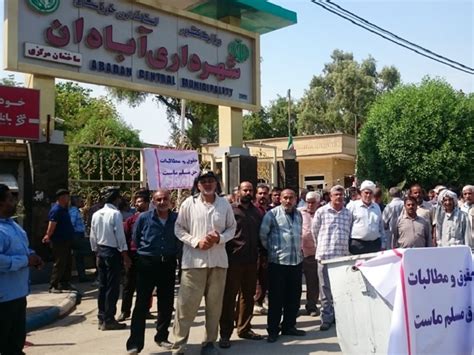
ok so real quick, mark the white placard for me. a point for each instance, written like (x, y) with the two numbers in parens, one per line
(434, 298)
(171, 169)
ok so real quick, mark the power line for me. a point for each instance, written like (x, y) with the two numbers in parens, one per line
(430, 56)
(395, 36)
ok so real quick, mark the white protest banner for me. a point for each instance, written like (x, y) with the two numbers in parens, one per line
(434, 298)
(171, 169)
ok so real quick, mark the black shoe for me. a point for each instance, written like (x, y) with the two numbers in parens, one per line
(325, 326)
(165, 344)
(68, 287)
(149, 316)
(53, 289)
(272, 338)
(294, 332)
(224, 343)
(209, 349)
(113, 326)
(313, 312)
(123, 316)
(251, 335)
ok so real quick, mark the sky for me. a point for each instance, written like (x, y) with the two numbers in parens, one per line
(291, 56)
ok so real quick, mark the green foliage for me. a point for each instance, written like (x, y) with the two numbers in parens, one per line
(419, 133)
(10, 81)
(343, 94)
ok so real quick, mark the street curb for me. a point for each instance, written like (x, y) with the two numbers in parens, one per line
(51, 314)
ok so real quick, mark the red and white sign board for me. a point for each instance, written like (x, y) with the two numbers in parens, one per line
(19, 113)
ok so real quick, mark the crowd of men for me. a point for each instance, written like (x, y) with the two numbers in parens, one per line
(234, 255)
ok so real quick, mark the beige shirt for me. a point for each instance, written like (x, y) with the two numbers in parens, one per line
(426, 211)
(411, 233)
(196, 219)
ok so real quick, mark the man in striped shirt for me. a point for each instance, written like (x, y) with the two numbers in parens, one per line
(331, 230)
(280, 234)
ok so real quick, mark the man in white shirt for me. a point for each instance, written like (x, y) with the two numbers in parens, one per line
(390, 215)
(107, 240)
(205, 223)
(367, 224)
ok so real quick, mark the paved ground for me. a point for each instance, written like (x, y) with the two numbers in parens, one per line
(77, 333)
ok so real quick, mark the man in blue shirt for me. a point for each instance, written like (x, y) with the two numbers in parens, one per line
(157, 249)
(80, 246)
(15, 258)
(59, 235)
(280, 234)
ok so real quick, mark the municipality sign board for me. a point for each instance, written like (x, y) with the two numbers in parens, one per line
(132, 45)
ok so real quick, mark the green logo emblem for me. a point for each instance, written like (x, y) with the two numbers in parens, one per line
(238, 50)
(44, 6)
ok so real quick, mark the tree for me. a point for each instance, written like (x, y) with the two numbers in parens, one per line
(419, 133)
(339, 99)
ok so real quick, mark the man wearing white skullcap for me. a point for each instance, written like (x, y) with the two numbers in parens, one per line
(367, 224)
(454, 228)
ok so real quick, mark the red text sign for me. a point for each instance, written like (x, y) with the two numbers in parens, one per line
(19, 113)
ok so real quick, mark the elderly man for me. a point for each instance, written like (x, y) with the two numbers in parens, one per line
(280, 234)
(157, 250)
(15, 260)
(310, 264)
(367, 224)
(242, 252)
(331, 231)
(108, 241)
(390, 215)
(468, 205)
(453, 226)
(205, 223)
(411, 231)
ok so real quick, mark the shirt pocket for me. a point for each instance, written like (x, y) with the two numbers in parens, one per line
(218, 221)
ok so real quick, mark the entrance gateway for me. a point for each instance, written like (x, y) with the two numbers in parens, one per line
(204, 51)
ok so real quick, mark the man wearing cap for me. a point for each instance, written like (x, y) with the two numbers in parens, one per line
(242, 252)
(367, 224)
(205, 223)
(280, 234)
(108, 241)
(453, 226)
(331, 231)
(310, 264)
(60, 235)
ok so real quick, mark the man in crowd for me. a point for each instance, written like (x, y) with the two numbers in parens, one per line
(157, 249)
(411, 231)
(80, 245)
(60, 235)
(354, 195)
(378, 195)
(468, 205)
(142, 203)
(310, 264)
(390, 215)
(262, 204)
(367, 225)
(280, 234)
(331, 231)
(275, 197)
(205, 223)
(15, 260)
(453, 227)
(242, 252)
(424, 209)
(108, 241)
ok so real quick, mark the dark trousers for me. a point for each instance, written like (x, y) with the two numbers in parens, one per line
(12, 326)
(61, 274)
(81, 248)
(109, 267)
(129, 285)
(240, 277)
(357, 246)
(262, 281)
(310, 270)
(153, 272)
(284, 296)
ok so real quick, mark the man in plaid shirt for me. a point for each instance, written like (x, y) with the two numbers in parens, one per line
(331, 230)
